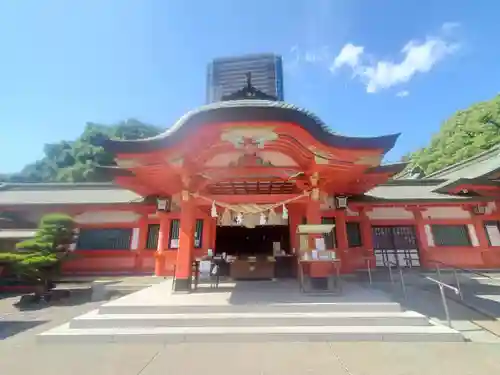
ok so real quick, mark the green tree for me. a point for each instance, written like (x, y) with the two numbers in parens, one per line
(77, 161)
(38, 260)
(465, 134)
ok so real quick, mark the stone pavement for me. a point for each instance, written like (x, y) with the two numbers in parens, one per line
(252, 358)
(20, 354)
(472, 324)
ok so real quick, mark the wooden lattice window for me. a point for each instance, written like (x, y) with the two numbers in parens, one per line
(198, 234)
(330, 239)
(104, 239)
(354, 238)
(175, 231)
(450, 235)
(153, 233)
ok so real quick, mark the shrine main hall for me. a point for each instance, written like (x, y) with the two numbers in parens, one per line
(236, 177)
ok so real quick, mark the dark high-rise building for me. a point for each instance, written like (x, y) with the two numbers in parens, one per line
(227, 75)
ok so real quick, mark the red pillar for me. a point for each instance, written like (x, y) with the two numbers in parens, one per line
(313, 214)
(342, 242)
(183, 267)
(162, 244)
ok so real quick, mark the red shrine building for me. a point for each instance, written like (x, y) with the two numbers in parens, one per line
(238, 176)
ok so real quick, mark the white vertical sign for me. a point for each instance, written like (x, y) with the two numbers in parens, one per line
(473, 236)
(134, 243)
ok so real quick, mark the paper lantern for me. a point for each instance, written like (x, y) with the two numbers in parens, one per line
(285, 213)
(213, 211)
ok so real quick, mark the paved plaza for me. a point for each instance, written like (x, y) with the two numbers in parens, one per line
(20, 353)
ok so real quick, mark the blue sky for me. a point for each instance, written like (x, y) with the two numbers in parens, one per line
(365, 67)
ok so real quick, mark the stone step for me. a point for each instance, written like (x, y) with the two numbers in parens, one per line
(95, 320)
(116, 308)
(65, 334)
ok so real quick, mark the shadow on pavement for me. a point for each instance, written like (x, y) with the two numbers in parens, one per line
(28, 303)
(10, 328)
(483, 297)
(426, 299)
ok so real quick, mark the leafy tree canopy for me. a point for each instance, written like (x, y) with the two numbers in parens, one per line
(40, 257)
(76, 161)
(465, 134)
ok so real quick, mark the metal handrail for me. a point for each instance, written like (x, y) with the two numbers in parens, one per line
(462, 269)
(368, 261)
(454, 270)
(455, 274)
(401, 276)
(441, 286)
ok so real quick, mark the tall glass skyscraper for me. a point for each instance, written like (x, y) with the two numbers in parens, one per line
(227, 75)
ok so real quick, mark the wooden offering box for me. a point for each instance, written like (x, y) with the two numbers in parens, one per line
(252, 268)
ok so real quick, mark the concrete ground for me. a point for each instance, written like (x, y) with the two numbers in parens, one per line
(21, 354)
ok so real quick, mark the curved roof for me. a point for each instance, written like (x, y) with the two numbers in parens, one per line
(248, 110)
(393, 168)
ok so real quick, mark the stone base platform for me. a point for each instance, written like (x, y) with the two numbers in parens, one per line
(250, 311)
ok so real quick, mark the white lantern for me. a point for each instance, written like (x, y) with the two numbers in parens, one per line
(263, 219)
(239, 219)
(163, 204)
(285, 213)
(213, 211)
(341, 201)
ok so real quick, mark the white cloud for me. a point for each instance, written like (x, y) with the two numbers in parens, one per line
(402, 94)
(419, 57)
(349, 55)
(299, 58)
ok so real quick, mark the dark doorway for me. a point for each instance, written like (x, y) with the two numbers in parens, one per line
(395, 245)
(258, 241)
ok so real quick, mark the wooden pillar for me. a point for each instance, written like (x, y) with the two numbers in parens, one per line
(141, 245)
(183, 267)
(162, 244)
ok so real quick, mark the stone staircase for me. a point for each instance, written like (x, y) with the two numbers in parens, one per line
(251, 312)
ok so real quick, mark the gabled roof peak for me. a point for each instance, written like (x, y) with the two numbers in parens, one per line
(248, 92)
